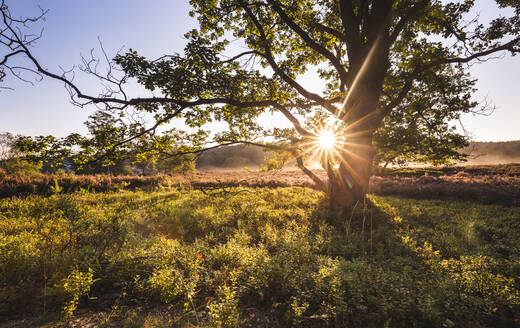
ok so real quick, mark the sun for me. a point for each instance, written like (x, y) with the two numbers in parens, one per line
(326, 140)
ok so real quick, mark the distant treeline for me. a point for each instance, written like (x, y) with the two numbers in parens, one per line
(235, 156)
(252, 156)
(493, 152)
(240, 156)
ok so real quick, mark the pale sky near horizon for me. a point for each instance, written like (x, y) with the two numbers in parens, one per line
(156, 27)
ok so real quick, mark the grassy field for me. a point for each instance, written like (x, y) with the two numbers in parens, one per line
(259, 257)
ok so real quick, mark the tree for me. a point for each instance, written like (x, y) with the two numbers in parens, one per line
(7, 150)
(11, 156)
(385, 65)
(110, 147)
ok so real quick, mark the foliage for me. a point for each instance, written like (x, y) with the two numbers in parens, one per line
(252, 257)
(7, 150)
(76, 285)
(394, 76)
(22, 166)
(224, 311)
(107, 149)
(56, 189)
(10, 156)
(408, 143)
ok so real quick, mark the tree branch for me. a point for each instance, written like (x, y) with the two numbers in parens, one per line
(245, 53)
(509, 46)
(335, 61)
(319, 183)
(340, 36)
(351, 24)
(409, 16)
(268, 55)
(238, 142)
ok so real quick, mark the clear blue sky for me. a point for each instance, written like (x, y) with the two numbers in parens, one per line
(156, 27)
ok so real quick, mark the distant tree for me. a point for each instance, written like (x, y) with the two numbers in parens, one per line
(383, 64)
(7, 150)
(12, 158)
(176, 164)
(406, 143)
(110, 147)
(158, 155)
(105, 131)
(243, 156)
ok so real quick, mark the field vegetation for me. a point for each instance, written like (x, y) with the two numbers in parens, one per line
(114, 228)
(487, 184)
(163, 254)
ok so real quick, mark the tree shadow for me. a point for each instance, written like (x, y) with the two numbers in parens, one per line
(446, 253)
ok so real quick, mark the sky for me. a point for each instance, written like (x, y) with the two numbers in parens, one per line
(156, 27)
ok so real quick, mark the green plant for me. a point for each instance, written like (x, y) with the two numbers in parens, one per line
(167, 283)
(76, 285)
(258, 256)
(223, 312)
(56, 189)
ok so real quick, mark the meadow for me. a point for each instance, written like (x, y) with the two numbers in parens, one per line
(429, 248)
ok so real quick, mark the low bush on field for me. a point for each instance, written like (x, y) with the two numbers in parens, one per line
(478, 184)
(487, 189)
(257, 257)
(512, 169)
(22, 184)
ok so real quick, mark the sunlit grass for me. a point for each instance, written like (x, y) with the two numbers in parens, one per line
(218, 256)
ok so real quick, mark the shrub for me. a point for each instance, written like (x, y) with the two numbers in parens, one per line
(224, 311)
(76, 285)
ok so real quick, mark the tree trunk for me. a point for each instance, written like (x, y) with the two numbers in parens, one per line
(348, 183)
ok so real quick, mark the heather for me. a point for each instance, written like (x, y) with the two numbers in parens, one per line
(493, 184)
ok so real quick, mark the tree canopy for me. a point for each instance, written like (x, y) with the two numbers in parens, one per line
(394, 76)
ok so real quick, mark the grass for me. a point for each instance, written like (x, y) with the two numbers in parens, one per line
(255, 257)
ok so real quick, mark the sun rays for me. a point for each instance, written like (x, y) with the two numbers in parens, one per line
(325, 145)
(333, 145)
(326, 139)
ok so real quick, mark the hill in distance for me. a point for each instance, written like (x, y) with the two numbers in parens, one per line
(238, 156)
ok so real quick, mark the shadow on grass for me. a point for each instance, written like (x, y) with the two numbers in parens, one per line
(269, 258)
(454, 259)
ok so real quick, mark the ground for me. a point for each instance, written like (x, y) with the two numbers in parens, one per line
(442, 251)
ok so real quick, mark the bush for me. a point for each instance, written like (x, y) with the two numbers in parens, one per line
(76, 285)
(17, 165)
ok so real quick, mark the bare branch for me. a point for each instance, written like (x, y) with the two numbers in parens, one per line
(245, 53)
(319, 183)
(512, 46)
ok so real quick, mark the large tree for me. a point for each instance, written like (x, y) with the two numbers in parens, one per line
(386, 67)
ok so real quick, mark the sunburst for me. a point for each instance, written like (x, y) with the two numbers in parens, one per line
(325, 144)
(326, 140)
